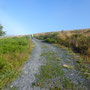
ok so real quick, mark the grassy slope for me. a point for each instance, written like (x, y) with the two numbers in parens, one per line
(77, 40)
(13, 54)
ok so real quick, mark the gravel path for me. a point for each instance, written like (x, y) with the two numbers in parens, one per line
(69, 59)
(25, 81)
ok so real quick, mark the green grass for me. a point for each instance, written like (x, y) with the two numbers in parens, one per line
(48, 53)
(49, 71)
(52, 72)
(13, 54)
(44, 46)
(79, 65)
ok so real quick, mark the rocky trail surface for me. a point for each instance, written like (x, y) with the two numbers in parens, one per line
(51, 57)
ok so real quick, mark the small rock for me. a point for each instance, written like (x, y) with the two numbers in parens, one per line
(11, 86)
(38, 84)
(67, 66)
(71, 74)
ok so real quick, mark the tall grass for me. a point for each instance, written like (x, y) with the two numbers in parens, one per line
(78, 41)
(13, 54)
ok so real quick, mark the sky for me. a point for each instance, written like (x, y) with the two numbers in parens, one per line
(36, 16)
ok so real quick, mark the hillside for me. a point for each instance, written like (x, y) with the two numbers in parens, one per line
(77, 40)
(82, 31)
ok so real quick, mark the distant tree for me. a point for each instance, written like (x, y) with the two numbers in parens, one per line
(1, 31)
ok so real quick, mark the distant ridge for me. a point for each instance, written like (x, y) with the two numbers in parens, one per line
(81, 30)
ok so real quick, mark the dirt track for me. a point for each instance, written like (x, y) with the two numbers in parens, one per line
(24, 82)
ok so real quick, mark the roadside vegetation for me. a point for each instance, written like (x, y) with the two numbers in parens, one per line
(52, 74)
(14, 52)
(76, 40)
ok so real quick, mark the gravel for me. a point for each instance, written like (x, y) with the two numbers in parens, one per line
(27, 78)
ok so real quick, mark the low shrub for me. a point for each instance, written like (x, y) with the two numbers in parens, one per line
(51, 40)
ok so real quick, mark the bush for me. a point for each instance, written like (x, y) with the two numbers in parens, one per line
(51, 40)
